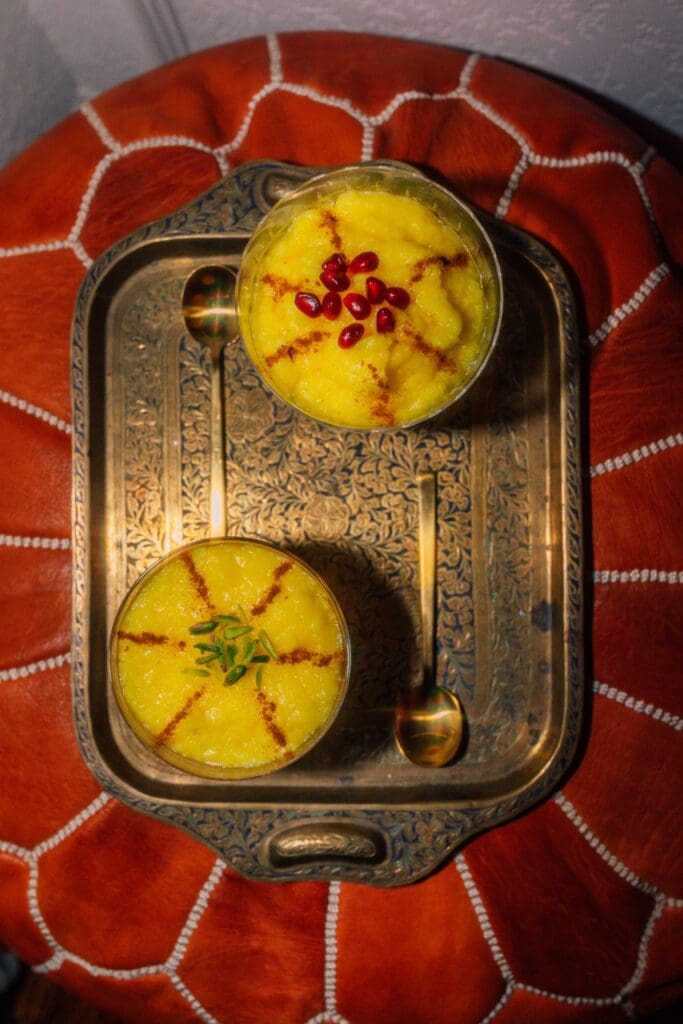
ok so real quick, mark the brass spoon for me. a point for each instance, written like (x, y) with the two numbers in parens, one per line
(210, 315)
(428, 722)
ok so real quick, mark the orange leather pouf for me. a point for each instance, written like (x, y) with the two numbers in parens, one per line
(573, 912)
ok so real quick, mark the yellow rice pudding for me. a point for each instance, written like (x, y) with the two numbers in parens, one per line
(229, 658)
(410, 324)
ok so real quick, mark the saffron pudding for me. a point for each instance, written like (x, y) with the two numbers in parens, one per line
(369, 297)
(229, 658)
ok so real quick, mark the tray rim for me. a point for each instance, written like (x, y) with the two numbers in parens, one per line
(457, 820)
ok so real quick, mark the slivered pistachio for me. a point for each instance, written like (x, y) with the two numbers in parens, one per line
(203, 627)
(220, 650)
(234, 631)
(268, 647)
(234, 675)
(249, 651)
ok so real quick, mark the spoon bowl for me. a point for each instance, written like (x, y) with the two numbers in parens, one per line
(428, 721)
(209, 307)
(429, 727)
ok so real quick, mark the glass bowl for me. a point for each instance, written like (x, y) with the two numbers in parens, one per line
(199, 711)
(440, 296)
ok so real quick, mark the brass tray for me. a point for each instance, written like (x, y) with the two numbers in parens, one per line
(509, 543)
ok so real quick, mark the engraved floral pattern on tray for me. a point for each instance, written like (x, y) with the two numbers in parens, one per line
(508, 516)
(139, 362)
(346, 502)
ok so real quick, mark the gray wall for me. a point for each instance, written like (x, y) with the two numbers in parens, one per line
(56, 53)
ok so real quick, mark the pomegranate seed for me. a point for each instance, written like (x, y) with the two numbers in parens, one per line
(364, 262)
(357, 305)
(335, 262)
(350, 335)
(308, 303)
(385, 320)
(335, 280)
(331, 305)
(398, 297)
(375, 290)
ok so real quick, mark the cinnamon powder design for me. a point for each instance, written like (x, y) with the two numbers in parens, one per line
(168, 730)
(274, 590)
(143, 638)
(198, 581)
(296, 347)
(442, 361)
(268, 708)
(280, 285)
(300, 654)
(330, 223)
(459, 260)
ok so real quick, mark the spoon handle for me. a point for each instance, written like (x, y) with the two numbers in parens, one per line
(426, 483)
(217, 465)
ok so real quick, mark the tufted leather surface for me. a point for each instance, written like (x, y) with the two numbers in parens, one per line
(575, 911)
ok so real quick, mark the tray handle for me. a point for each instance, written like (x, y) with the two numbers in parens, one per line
(324, 841)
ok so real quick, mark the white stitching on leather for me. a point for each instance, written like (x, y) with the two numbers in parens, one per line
(637, 576)
(34, 410)
(42, 665)
(8, 540)
(195, 916)
(483, 917)
(631, 305)
(644, 452)
(639, 706)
